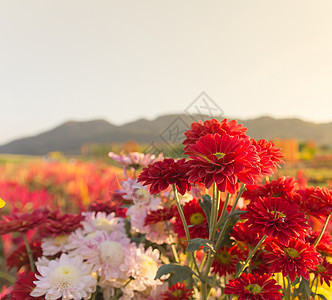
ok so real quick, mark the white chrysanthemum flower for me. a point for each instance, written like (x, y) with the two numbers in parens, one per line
(110, 254)
(139, 194)
(101, 221)
(157, 233)
(52, 246)
(79, 240)
(144, 269)
(66, 278)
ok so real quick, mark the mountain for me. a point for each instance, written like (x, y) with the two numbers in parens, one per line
(70, 136)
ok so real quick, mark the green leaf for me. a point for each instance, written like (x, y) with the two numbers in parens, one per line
(304, 288)
(206, 204)
(180, 273)
(196, 244)
(320, 296)
(235, 213)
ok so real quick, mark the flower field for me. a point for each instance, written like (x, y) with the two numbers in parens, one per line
(219, 224)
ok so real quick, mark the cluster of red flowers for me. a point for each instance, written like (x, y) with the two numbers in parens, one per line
(278, 211)
(219, 152)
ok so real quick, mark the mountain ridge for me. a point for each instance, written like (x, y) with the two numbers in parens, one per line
(69, 136)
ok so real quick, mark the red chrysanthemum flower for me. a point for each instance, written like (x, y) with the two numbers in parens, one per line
(241, 232)
(320, 202)
(213, 126)
(21, 222)
(324, 246)
(254, 287)
(293, 259)
(195, 218)
(103, 206)
(60, 224)
(277, 218)
(315, 201)
(163, 173)
(270, 156)
(178, 291)
(225, 160)
(160, 215)
(19, 258)
(324, 272)
(226, 260)
(282, 187)
(24, 286)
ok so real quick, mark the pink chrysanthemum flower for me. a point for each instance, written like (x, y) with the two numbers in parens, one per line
(54, 245)
(102, 221)
(135, 159)
(139, 194)
(110, 254)
(66, 278)
(144, 268)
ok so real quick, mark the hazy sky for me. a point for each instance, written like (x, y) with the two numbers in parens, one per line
(121, 60)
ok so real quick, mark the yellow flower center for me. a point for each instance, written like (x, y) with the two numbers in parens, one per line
(196, 219)
(177, 293)
(219, 155)
(224, 257)
(61, 240)
(278, 215)
(254, 288)
(64, 277)
(291, 252)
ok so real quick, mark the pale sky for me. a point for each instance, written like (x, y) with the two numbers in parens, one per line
(121, 60)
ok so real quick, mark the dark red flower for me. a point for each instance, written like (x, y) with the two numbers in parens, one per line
(243, 233)
(160, 215)
(282, 187)
(324, 246)
(60, 224)
(21, 222)
(293, 259)
(213, 126)
(270, 156)
(225, 160)
(195, 218)
(19, 258)
(320, 202)
(102, 206)
(315, 201)
(254, 287)
(324, 272)
(276, 217)
(226, 260)
(161, 174)
(24, 286)
(178, 291)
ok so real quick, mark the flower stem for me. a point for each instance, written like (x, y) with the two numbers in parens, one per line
(250, 256)
(323, 229)
(175, 253)
(183, 219)
(29, 252)
(184, 222)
